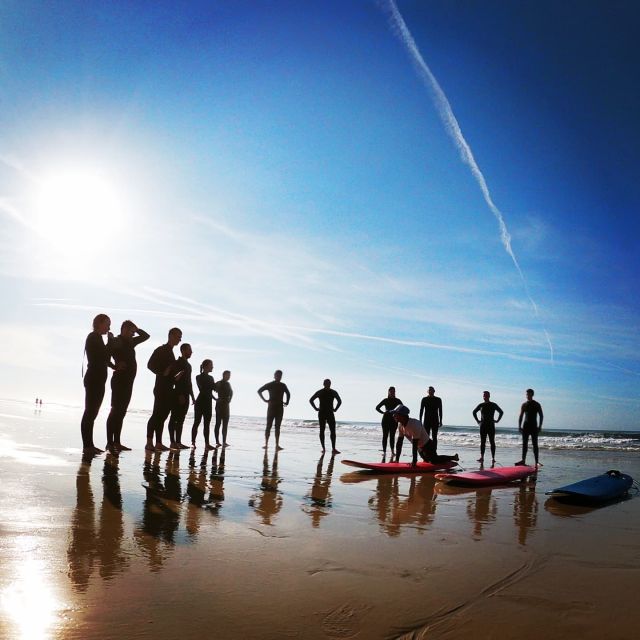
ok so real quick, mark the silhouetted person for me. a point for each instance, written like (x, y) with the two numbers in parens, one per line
(203, 405)
(161, 363)
(276, 403)
(431, 414)
(98, 361)
(530, 427)
(124, 356)
(326, 411)
(413, 430)
(182, 391)
(487, 424)
(389, 425)
(223, 412)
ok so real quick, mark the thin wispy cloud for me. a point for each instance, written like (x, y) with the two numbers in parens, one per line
(453, 128)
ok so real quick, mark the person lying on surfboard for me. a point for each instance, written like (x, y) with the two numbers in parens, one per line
(413, 430)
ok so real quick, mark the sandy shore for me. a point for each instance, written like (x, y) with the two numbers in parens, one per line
(294, 545)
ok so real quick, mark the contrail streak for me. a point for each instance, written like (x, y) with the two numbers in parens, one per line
(453, 129)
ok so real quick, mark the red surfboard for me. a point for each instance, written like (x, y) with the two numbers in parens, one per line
(484, 477)
(399, 467)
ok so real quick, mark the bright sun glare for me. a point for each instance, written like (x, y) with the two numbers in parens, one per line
(77, 210)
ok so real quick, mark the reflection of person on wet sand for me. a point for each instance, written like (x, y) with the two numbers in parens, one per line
(182, 391)
(196, 490)
(81, 552)
(326, 411)
(124, 356)
(487, 424)
(384, 503)
(95, 379)
(419, 507)
(269, 501)
(530, 410)
(414, 431)
(481, 510)
(277, 392)
(111, 530)
(161, 363)
(216, 480)
(525, 510)
(319, 496)
(388, 424)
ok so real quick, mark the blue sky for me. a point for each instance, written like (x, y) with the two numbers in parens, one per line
(279, 180)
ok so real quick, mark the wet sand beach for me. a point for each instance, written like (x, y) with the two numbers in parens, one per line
(243, 543)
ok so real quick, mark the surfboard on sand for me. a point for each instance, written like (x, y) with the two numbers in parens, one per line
(603, 488)
(485, 477)
(399, 467)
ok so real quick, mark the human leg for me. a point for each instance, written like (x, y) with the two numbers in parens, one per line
(94, 394)
(322, 423)
(197, 417)
(331, 421)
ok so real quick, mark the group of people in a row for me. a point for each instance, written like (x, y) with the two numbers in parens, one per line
(173, 389)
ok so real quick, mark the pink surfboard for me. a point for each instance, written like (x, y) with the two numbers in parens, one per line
(484, 477)
(399, 467)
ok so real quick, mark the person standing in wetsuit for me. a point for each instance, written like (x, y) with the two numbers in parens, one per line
(182, 391)
(124, 356)
(203, 405)
(530, 411)
(98, 361)
(161, 363)
(225, 393)
(413, 430)
(487, 424)
(277, 391)
(326, 412)
(389, 425)
(431, 414)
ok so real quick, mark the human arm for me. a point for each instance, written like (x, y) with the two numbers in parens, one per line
(287, 395)
(339, 401)
(475, 413)
(439, 412)
(423, 408)
(261, 390)
(142, 336)
(379, 405)
(500, 412)
(541, 417)
(311, 399)
(520, 417)
(414, 454)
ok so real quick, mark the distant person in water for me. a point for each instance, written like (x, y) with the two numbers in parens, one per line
(203, 406)
(124, 356)
(223, 411)
(182, 391)
(388, 423)
(529, 427)
(487, 424)
(413, 430)
(276, 402)
(161, 363)
(431, 414)
(326, 411)
(98, 361)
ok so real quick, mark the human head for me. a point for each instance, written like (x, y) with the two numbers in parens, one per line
(326, 383)
(185, 350)
(486, 395)
(226, 375)
(392, 392)
(431, 391)
(175, 336)
(127, 329)
(206, 366)
(530, 394)
(277, 375)
(102, 323)
(401, 414)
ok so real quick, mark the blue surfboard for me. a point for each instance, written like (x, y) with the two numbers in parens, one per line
(604, 488)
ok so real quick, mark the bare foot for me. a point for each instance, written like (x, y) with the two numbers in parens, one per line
(539, 464)
(520, 463)
(193, 445)
(161, 447)
(334, 451)
(456, 458)
(265, 446)
(182, 446)
(225, 445)
(480, 460)
(279, 448)
(112, 449)
(149, 447)
(122, 447)
(97, 451)
(209, 447)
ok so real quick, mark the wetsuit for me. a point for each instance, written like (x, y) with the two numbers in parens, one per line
(326, 412)
(123, 352)
(431, 415)
(531, 409)
(182, 391)
(225, 393)
(275, 407)
(389, 425)
(98, 361)
(160, 359)
(488, 425)
(203, 406)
